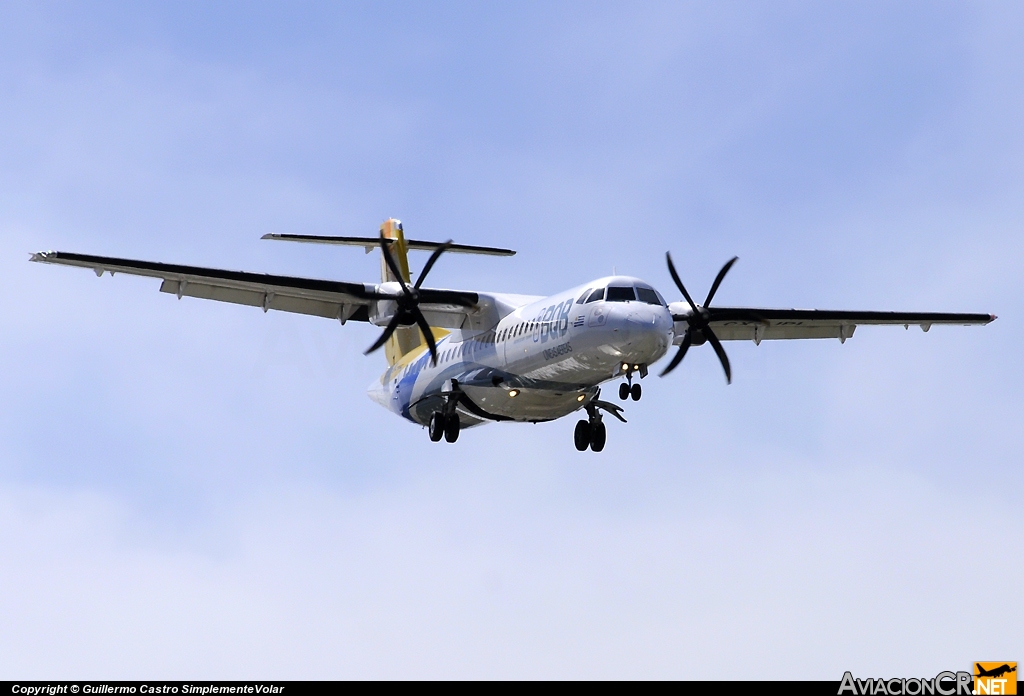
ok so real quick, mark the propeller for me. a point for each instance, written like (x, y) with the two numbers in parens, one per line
(698, 327)
(408, 311)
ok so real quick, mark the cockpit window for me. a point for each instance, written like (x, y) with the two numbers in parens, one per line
(648, 295)
(617, 294)
(583, 297)
(596, 295)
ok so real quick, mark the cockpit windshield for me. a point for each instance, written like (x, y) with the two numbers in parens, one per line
(620, 294)
(623, 293)
(648, 295)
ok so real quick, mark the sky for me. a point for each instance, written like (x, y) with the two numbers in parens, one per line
(193, 490)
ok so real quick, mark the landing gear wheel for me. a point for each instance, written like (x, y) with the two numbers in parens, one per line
(635, 392)
(598, 435)
(436, 427)
(624, 391)
(582, 436)
(451, 428)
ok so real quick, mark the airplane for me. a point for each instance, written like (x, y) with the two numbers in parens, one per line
(459, 359)
(995, 672)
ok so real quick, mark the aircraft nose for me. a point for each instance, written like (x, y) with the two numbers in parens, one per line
(641, 317)
(647, 335)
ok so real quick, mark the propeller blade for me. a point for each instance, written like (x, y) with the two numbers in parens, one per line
(679, 283)
(430, 262)
(392, 325)
(390, 261)
(718, 279)
(427, 333)
(683, 347)
(722, 357)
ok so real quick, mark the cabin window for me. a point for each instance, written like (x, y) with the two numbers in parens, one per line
(618, 294)
(647, 295)
(583, 297)
(596, 295)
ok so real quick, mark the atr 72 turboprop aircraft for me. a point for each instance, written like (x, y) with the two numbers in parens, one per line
(459, 359)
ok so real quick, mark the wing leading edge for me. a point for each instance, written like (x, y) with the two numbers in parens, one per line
(323, 298)
(757, 324)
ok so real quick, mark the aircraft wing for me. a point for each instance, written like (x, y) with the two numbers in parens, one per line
(755, 324)
(323, 298)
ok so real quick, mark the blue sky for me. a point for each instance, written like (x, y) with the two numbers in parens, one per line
(193, 490)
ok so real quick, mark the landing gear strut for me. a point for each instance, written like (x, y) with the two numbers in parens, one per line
(627, 389)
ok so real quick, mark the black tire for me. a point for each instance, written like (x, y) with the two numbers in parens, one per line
(436, 427)
(623, 391)
(636, 391)
(451, 428)
(581, 438)
(598, 436)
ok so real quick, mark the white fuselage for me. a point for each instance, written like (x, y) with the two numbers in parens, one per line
(540, 362)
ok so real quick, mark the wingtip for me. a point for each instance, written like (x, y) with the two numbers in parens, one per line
(40, 256)
(268, 236)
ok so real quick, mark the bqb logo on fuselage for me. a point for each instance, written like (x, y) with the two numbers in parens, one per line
(553, 322)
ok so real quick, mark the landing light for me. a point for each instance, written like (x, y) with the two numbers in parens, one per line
(636, 367)
(581, 397)
(625, 366)
(513, 393)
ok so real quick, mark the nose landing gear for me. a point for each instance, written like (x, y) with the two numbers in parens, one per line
(627, 389)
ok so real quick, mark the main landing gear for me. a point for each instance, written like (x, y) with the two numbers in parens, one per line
(445, 423)
(591, 432)
(443, 426)
(592, 435)
(627, 389)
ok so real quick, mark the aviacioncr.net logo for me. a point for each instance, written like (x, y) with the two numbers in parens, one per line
(942, 684)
